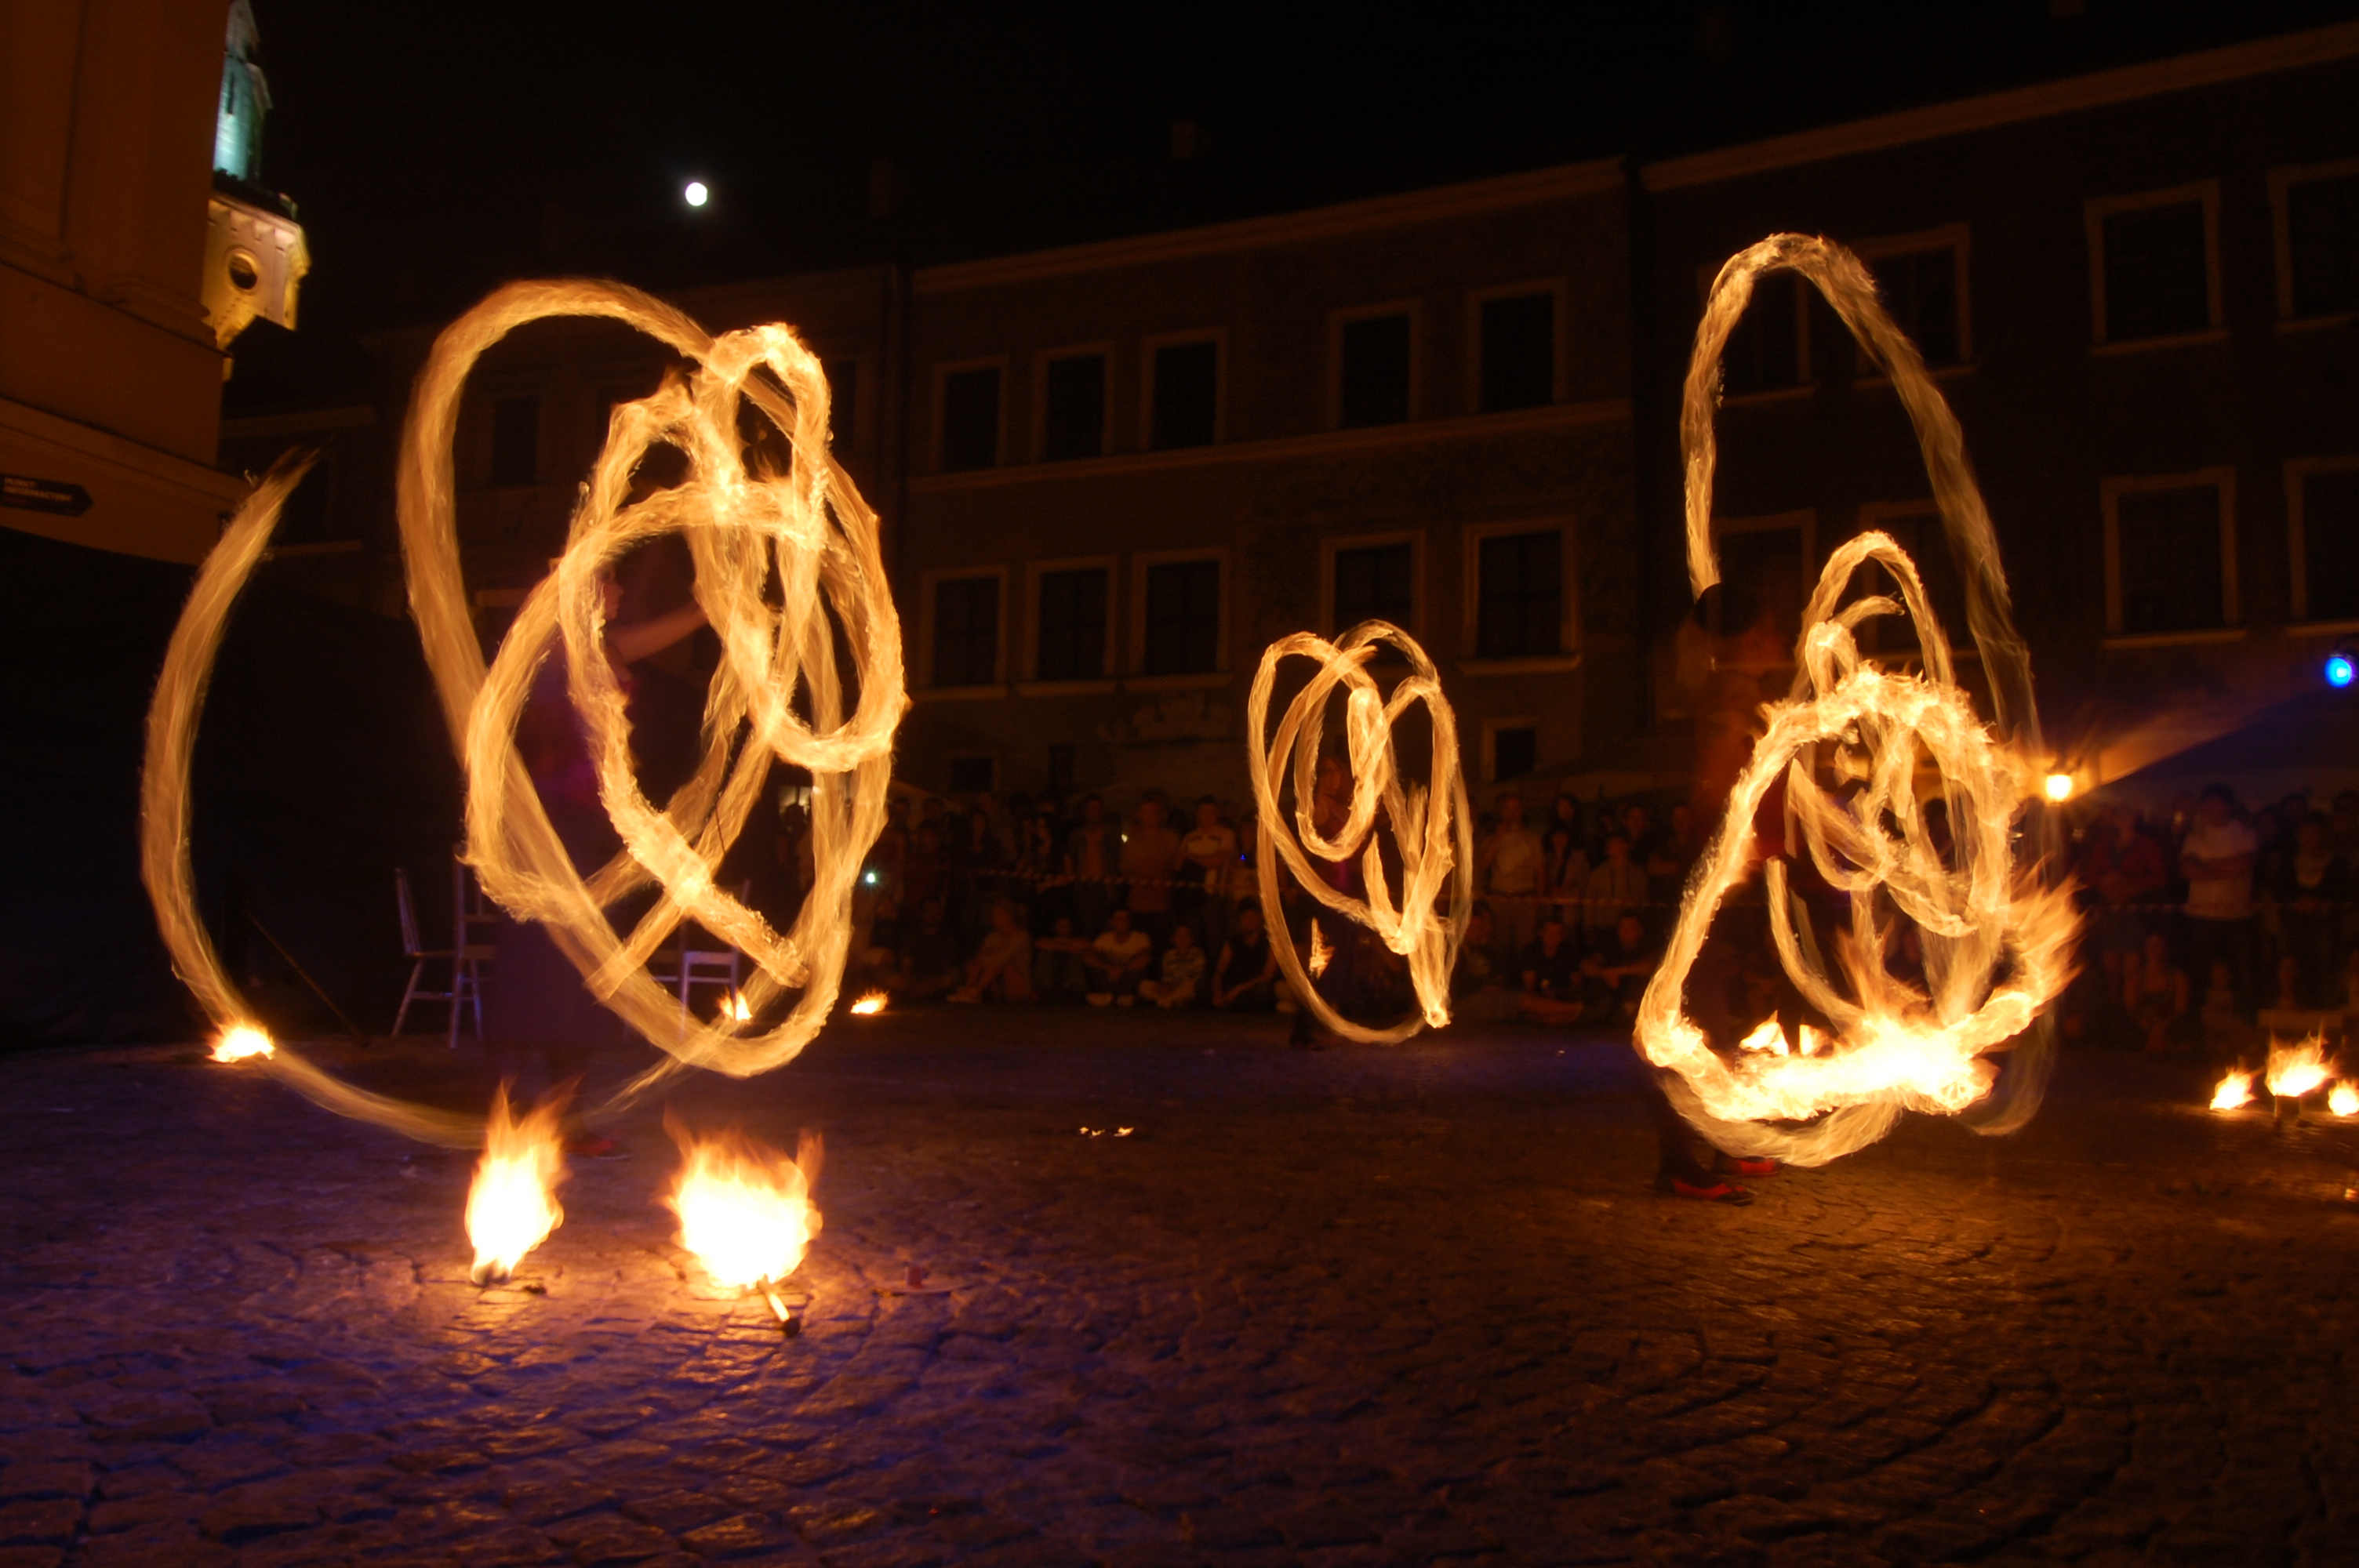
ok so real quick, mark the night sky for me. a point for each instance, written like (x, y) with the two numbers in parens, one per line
(437, 148)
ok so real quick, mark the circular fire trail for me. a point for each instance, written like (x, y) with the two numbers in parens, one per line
(786, 558)
(1997, 941)
(1430, 825)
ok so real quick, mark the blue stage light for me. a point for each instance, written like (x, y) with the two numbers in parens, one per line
(2340, 670)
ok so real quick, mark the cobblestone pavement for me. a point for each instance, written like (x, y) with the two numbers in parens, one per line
(1346, 1307)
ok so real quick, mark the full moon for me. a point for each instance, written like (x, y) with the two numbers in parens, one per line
(696, 193)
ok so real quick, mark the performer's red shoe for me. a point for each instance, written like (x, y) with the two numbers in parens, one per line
(1748, 1167)
(1717, 1192)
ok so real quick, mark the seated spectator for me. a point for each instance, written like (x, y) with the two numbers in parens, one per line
(1246, 978)
(1183, 971)
(931, 956)
(1617, 973)
(1150, 863)
(1618, 883)
(1551, 975)
(1059, 971)
(1482, 987)
(1001, 969)
(2226, 1035)
(1116, 961)
(877, 962)
(2157, 994)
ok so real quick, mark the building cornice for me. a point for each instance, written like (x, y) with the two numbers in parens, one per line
(2262, 57)
(1435, 205)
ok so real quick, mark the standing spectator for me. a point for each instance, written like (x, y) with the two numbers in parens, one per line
(923, 872)
(1246, 978)
(1151, 862)
(1618, 883)
(1510, 870)
(1183, 971)
(1649, 844)
(1001, 969)
(1207, 854)
(1117, 961)
(889, 856)
(1092, 854)
(1059, 969)
(2217, 859)
(2309, 891)
(1567, 873)
(2123, 864)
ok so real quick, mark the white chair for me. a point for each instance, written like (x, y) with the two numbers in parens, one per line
(685, 966)
(466, 956)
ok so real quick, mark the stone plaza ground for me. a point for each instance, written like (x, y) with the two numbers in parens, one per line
(1353, 1307)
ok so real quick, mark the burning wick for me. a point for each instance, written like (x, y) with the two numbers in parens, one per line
(2295, 1070)
(745, 1211)
(512, 1207)
(2235, 1092)
(240, 1041)
(732, 1007)
(870, 1005)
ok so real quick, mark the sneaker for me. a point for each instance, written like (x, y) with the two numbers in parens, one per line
(1716, 1192)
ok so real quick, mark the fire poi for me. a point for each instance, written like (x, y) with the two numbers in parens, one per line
(1428, 825)
(786, 556)
(745, 1210)
(1846, 746)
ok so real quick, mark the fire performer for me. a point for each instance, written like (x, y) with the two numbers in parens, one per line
(540, 1015)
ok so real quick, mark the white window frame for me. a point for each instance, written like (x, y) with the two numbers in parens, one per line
(1102, 352)
(2110, 490)
(1568, 654)
(1216, 336)
(2297, 538)
(1955, 238)
(1338, 319)
(926, 585)
(1552, 286)
(2097, 208)
(1135, 675)
(1806, 378)
(1491, 728)
(942, 373)
(2281, 182)
(1328, 549)
(1032, 685)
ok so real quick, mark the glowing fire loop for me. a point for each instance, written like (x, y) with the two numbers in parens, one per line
(1429, 825)
(1997, 942)
(779, 555)
(745, 1210)
(512, 1207)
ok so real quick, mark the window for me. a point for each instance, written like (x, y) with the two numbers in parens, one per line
(1073, 629)
(971, 419)
(2320, 269)
(1514, 747)
(2153, 274)
(1073, 408)
(973, 775)
(1922, 280)
(1373, 370)
(1375, 582)
(1519, 607)
(1183, 622)
(966, 630)
(1518, 338)
(515, 442)
(2169, 547)
(1765, 571)
(2324, 503)
(842, 401)
(1766, 351)
(1184, 396)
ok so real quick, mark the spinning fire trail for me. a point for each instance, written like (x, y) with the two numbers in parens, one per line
(1846, 746)
(785, 557)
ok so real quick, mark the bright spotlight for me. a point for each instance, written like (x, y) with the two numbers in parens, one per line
(2340, 670)
(696, 193)
(2060, 787)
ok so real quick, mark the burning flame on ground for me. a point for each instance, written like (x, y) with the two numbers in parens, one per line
(870, 1005)
(733, 1008)
(2343, 1100)
(2295, 1070)
(744, 1208)
(2233, 1092)
(791, 515)
(240, 1041)
(1430, 825)
(512, 1207)
(1998, 942)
